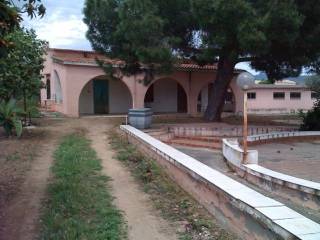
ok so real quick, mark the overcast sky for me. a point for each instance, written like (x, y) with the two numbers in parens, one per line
(62, 26)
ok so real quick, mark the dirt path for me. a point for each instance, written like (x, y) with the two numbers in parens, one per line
(20, 219)
(142, 221)
(21, 216)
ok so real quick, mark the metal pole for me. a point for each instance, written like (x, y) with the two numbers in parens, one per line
(245, 127)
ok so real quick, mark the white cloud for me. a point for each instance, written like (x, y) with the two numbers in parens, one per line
(62, 27)
(246, 66)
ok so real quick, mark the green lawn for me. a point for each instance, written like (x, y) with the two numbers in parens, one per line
(79, 204)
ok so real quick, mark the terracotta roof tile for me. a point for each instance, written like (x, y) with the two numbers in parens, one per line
(83, 60)
(196, 66)
(68, 56)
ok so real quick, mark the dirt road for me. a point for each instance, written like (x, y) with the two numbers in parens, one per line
(143, 222)
(20, 219)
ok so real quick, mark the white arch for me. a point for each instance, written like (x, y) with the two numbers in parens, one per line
(204, 96)
(57, 88)
(119, 97)
(166, 97)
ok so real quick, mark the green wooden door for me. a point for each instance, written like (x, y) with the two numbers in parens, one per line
(101, 96)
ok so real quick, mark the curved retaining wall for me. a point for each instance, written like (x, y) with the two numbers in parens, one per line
(224, 131)
(234, 153)
(242, 210)
(300, 191)
(277, 135)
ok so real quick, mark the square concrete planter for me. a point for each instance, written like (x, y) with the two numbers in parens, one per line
(140, 118)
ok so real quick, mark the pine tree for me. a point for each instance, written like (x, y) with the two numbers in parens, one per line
(279, 37)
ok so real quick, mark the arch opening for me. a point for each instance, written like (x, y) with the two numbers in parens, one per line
(166, 96)
(205, 94)
(104, 96)
(58, 96)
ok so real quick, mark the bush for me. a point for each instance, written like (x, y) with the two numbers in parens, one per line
(311, 120)
(9, 119)
(31, 110)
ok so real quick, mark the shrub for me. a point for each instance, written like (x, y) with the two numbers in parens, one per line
(31, 110)
(311, 120)
(9, 119)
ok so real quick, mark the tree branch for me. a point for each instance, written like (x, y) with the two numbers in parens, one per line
(245, 59)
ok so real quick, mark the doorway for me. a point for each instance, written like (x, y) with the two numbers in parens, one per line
(181, 100)
(101, 96)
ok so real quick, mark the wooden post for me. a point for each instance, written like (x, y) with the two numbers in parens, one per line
(245, 127)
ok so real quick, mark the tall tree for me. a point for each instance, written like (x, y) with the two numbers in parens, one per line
(313, 82)
(20, 70)
(276, 36)
(311, 119)
(10, 17)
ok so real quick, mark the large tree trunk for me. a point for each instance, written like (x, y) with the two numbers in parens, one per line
(219, 89)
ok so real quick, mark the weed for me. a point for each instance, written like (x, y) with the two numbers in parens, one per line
(13, 157)
(192, 220)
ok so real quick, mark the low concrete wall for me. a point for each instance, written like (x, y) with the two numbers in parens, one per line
(235, 155)
(240, 209)
(300, 191)
(277, 135)
(193, 131)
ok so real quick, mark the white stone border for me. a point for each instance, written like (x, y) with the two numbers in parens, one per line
(277, 135)
(280, 217)
(301, 191)
(232, 152)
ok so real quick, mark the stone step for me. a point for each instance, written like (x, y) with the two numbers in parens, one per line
(200, 138)
(196, 143)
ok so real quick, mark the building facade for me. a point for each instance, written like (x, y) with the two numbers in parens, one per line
(76, 85)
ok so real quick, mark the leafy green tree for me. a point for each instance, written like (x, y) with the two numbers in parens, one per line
(276, 36)
(311, 119)
(313, 82)
(20, 70)
(10, 17)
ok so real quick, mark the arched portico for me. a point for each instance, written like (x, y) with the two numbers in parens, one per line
(205, 94)
(58, 96)
(166, 95)
(101, 95)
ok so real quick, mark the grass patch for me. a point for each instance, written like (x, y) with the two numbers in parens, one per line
(79, 204)
(191, 219)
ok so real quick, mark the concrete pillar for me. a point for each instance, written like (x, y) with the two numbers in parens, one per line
(137, 89)
(193, 111)
(192, 95)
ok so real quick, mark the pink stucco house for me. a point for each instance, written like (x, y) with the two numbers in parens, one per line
(76, 86)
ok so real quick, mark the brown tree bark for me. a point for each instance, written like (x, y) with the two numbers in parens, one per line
(219, 89)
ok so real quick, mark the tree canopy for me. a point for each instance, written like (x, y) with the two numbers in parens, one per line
(310, 120)
(20, 70)
(10, 17)
(279, 37)
(313, 82)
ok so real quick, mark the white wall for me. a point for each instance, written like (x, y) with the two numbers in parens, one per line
(86, 105)
(265, 104)
(120, 99)
(165, 96)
